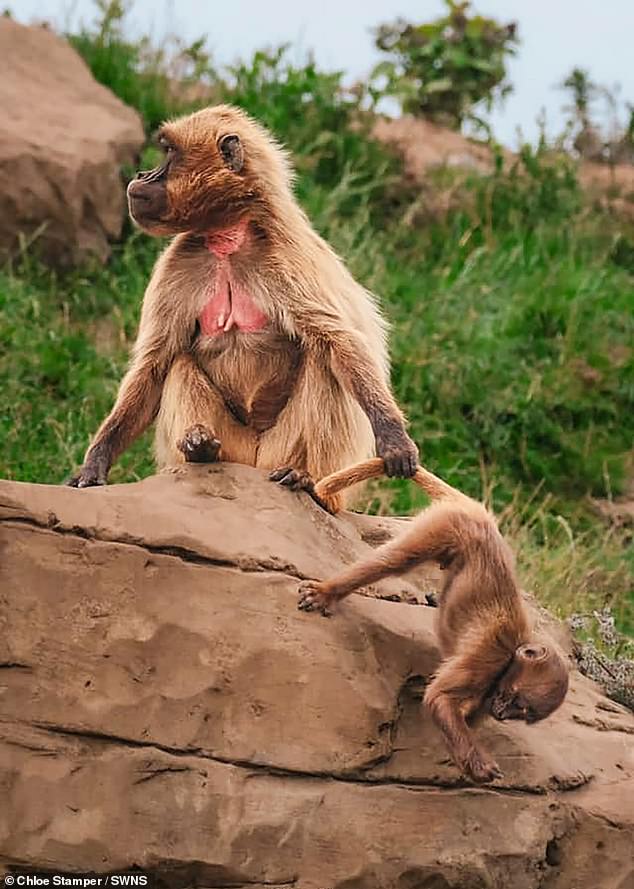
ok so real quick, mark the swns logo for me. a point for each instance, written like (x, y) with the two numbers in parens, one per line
(128, 880)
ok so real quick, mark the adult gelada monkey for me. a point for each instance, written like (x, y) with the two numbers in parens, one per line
(255, 344)
(491, 661)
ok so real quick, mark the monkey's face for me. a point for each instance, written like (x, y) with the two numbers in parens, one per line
(533, 686)
(206, 181)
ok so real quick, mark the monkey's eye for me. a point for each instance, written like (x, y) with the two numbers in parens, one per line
(166, 147)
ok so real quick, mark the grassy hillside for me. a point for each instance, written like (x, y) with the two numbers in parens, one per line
(513, 322)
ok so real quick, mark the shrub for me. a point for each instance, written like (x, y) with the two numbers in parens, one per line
(442, 69)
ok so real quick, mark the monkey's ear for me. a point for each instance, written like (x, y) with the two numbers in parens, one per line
(531, 652)
(230, 148)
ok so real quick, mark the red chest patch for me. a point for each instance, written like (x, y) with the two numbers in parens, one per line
(230, 305)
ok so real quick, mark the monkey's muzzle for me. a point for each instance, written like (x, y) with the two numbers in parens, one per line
(147, 198)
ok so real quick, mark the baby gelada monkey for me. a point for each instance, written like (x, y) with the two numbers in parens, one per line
(490, 661)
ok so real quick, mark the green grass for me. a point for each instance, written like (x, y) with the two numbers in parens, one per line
(513, 325)
(64, 347)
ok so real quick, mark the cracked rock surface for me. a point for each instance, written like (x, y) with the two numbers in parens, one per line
(164, 705)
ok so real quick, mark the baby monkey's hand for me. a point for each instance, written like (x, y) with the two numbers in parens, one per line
(314, 596)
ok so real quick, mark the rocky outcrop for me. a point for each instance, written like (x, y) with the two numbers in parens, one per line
(425, 146)
(164, 705)
(63, 140)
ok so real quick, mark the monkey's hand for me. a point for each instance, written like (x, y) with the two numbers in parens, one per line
(480, 767)
(398, 451)
(90, 475)
(313, 597)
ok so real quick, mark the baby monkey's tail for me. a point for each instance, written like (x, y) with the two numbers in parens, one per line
(433, 486)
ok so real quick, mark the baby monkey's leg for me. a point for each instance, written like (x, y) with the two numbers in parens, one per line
(426, 539)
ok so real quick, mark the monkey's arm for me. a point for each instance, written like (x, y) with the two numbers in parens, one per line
(360, 373)
(452, 698)
(135, 408)
(138, 398)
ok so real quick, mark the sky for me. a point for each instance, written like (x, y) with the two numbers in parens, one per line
(555, 36)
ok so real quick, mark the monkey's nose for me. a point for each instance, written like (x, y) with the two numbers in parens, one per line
(138, 191)
(497, 711)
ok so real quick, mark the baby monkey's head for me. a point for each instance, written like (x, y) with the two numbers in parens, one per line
(533, 686)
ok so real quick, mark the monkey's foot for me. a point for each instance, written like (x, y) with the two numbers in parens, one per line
(198, 445)
(293, 479)
(481, 768)
(298, 481)
(313, 598)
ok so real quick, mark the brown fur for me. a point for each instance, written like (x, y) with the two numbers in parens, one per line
(310, 390)
(490, 662)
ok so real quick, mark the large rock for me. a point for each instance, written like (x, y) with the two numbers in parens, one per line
(63, 140)
(164, 705)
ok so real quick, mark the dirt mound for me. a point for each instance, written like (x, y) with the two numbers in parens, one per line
(425, 146)
(63, 141)
(165, 705)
